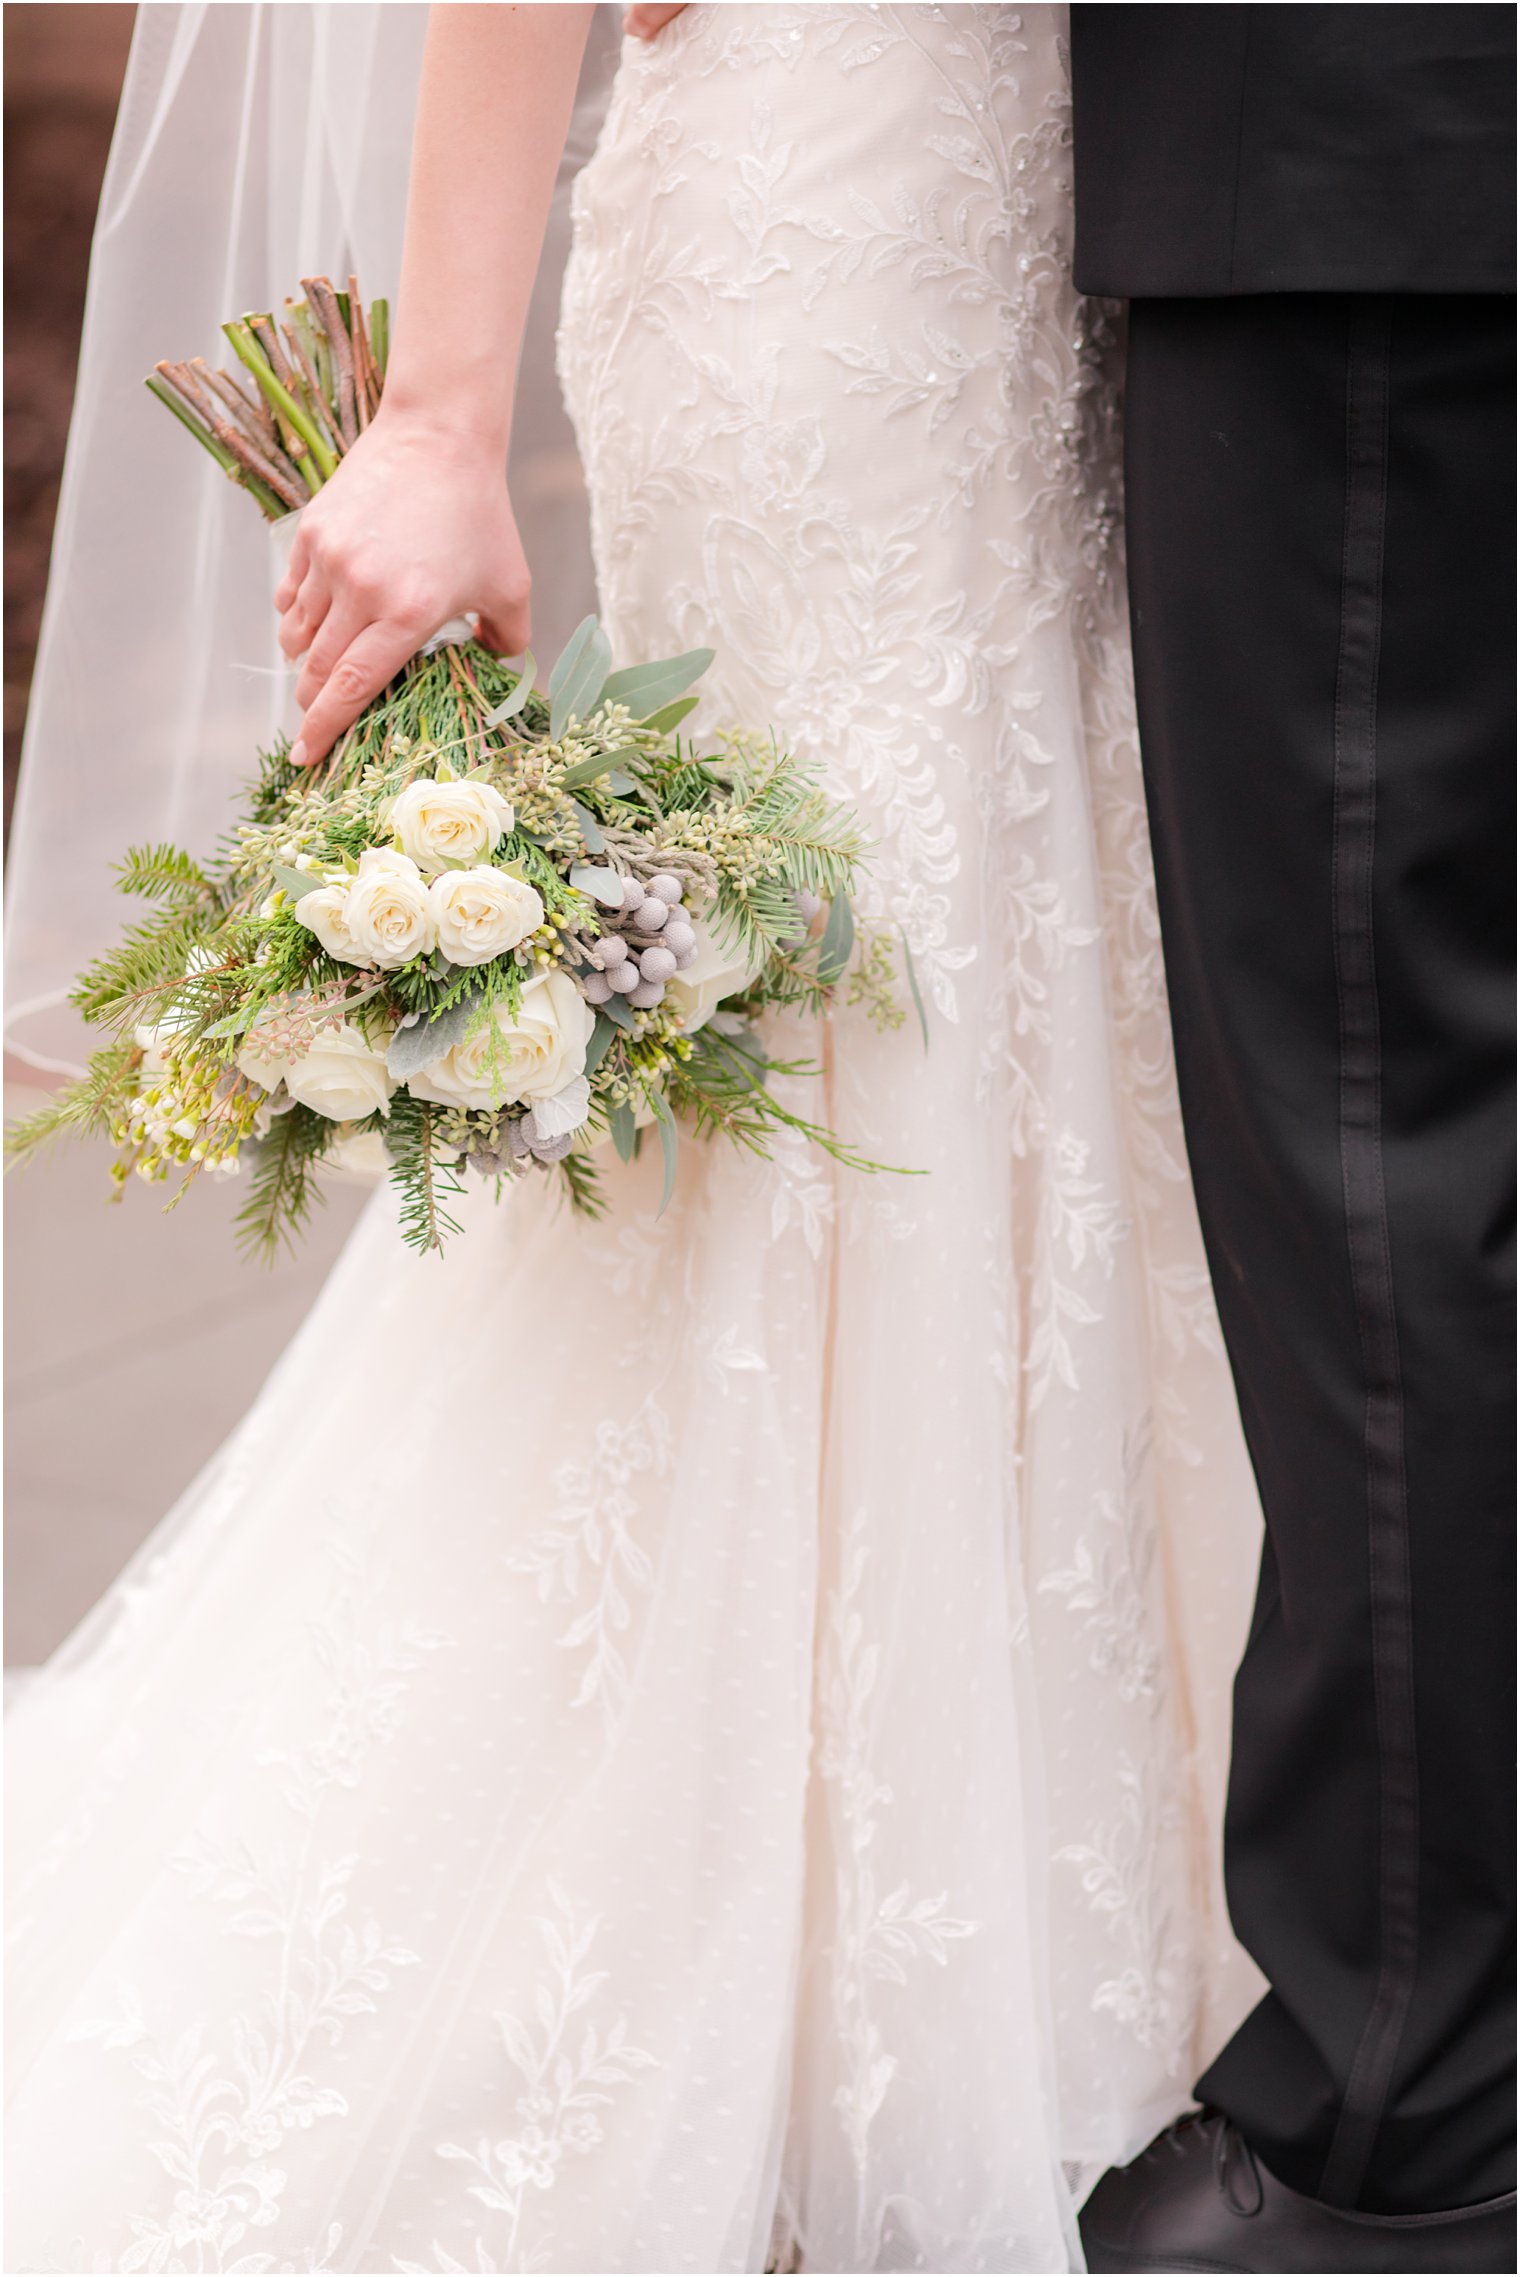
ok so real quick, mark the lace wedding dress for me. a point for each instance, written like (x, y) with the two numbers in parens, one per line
(661, 1744)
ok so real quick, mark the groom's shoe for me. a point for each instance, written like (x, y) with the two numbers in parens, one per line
(1199, 2199)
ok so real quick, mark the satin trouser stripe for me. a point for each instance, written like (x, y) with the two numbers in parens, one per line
(1367, 1239)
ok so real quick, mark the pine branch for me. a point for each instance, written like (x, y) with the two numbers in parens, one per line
(84, 1109)
(149, 961)
(583, 1185)
(284, 1184)
(419, 1173)
(164, 873)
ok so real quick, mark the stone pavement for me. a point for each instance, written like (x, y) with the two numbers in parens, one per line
(133, 1344)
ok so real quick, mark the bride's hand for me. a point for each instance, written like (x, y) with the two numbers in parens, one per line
(647, 22)
(415, 527)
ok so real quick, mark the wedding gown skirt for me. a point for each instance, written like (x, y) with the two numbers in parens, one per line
(659, 1730)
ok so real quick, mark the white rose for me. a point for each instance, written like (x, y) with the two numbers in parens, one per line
(439, 823)
(482, 913)
(358, 1156)
(343, 1076)
(531, 1057)
(388, 913)
(695, 994)
(325, 913)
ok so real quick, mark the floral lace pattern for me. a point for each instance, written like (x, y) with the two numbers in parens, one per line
(588, 1538)
(566, 2087)
(223, 2101)
(686, 1743)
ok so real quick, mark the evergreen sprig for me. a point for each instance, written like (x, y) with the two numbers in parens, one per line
(422, 1174)
(165, 873)
(285, 1185)
(85, 1108)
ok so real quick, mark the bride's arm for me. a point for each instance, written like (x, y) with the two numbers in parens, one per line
(416, 525)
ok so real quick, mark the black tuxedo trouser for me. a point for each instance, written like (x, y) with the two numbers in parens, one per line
(1320, 497)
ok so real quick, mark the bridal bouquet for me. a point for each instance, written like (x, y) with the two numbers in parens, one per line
(496, 932)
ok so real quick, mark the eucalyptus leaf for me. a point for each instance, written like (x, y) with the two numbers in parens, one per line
(625, 1131)
(669, 1146)
(669, 717)
(590, 770)
(749, 1047)
(233, 1025)
(415, 1048)
(918, 994)
(297, 883)
(518, 699)
(621, 785)
(603, 885)
(591, 829)
(575, 684)
(838, 939)
(601, 1038)
(647, 688)
(619, 1011)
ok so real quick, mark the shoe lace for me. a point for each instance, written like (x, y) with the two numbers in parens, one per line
(1235, 2161)
(1236, 2173)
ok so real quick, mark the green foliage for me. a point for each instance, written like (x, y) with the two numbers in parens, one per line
(872, 985)
(723, 1088)
(83, 1109)
(421, 1174)
(582, 1184)
(165, 873)
(284, 1184)
(132, 981)
(600, 780)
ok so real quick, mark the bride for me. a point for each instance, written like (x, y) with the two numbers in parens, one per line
(673, 1746)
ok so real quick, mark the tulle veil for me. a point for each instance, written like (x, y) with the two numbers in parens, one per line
(255, 144)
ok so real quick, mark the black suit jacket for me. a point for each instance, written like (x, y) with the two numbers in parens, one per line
(1314, 148)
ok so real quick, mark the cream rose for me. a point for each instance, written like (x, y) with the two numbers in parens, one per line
(441, 823)
(325, 913)
(388, 913)
(481, 913)
(357, 1156)
(531, 1057)
(695, 994)
(343, 1076)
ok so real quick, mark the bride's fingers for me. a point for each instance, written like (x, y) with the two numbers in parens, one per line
(369, 661)
(340, 628)
(303, 616)
(643, 22)
(506, 624)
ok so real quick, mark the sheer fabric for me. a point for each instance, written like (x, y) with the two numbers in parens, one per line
(254, 145)
(665, 1741)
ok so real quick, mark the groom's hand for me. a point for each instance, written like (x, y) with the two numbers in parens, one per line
(643, 23)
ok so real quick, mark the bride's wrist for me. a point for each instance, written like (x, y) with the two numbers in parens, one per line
(464, 429)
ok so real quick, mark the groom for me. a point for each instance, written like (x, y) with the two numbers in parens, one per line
(1311, 213)
(1310, 210)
